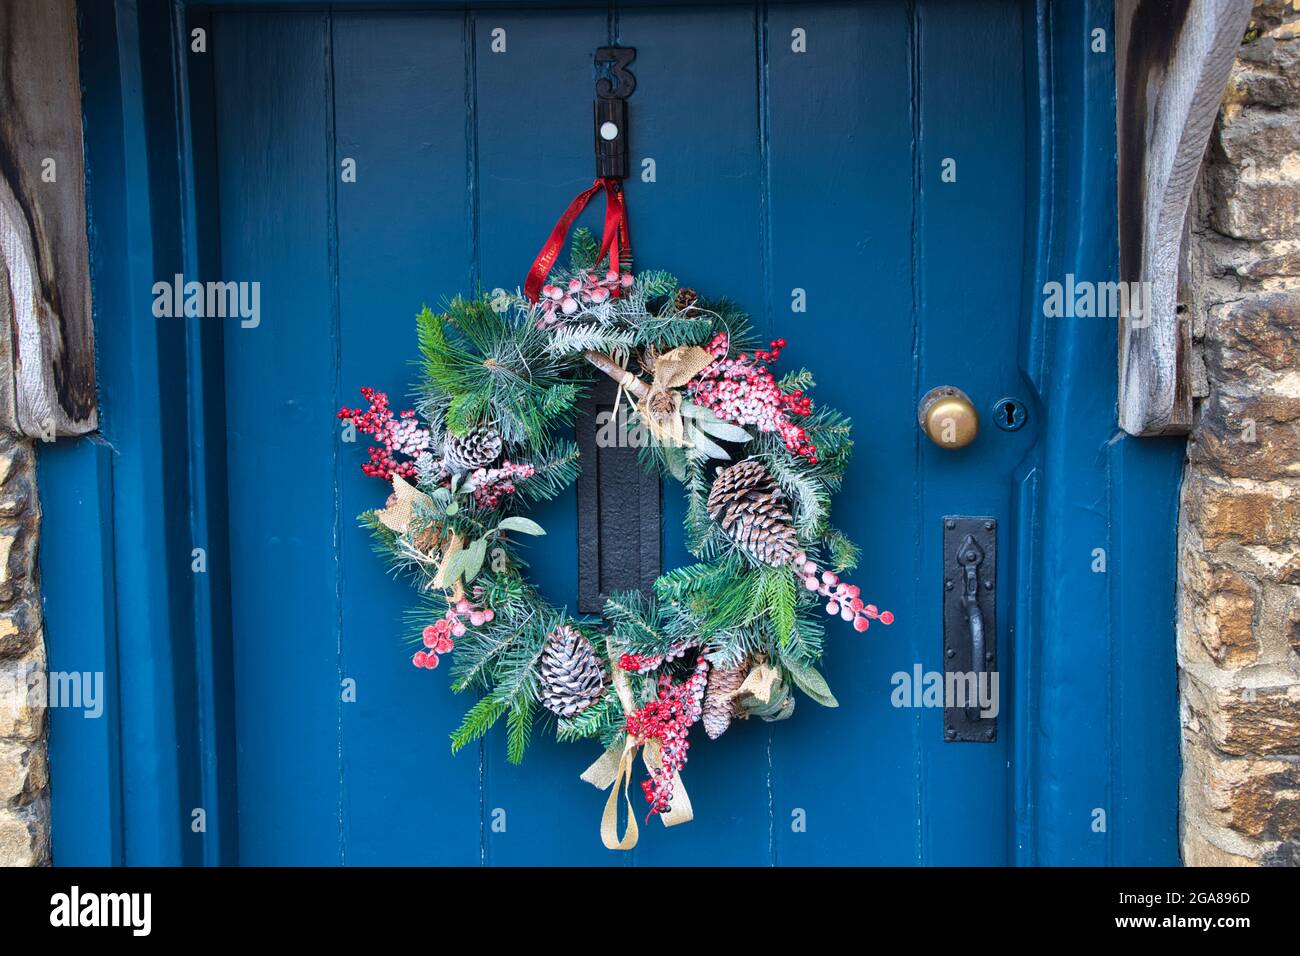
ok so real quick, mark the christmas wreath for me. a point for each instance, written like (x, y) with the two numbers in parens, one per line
(728, 637)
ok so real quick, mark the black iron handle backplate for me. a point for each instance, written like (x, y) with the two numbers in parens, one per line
(971, 685)
(610, 110)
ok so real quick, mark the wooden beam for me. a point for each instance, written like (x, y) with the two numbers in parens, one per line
(47, 351)
(1172, 64)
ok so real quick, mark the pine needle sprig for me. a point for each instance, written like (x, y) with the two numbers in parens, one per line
(519, 727)
(477, 722)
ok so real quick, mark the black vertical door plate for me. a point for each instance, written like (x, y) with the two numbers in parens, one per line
(618, 511)
(970, 590)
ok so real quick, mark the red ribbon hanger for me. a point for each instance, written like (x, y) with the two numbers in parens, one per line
(616, 240)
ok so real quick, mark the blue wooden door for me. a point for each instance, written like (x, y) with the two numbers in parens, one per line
(779, 172)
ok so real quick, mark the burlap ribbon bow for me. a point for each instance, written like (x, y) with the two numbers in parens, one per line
(613, 771)
(661, 407)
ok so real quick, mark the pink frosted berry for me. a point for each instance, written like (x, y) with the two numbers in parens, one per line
(462, 606)
(846, 613)
(860, 624)
(420, 659)
(458, 629)
(830, 577)
(810, 582)
(887, 617)
(429, 635)
(431, 662)
(488, 614)
(476, 618)
(832, 607)
(445, 645)
(809, 568)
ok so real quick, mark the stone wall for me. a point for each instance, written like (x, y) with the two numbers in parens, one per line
(24, 780)
(1239, 538)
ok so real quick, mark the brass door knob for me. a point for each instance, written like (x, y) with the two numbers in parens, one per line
(948, 416)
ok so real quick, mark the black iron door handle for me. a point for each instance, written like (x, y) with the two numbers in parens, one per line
(970, 557)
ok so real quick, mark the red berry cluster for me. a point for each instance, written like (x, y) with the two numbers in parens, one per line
(742, 390)
(669, 720)
(842, 598)
(397, 434)
(438, 636)
(639, 663)
(644, 663)
(493, 484)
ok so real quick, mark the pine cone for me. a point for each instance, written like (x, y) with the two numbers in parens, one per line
(572, 679)
(719, 705)
(753, 510)
(685, 299)
(477, 449)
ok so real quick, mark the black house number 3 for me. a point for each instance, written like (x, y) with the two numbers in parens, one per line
(620, 59)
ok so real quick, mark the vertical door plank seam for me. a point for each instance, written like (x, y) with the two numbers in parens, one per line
(765, 246)
(918, 544)
(336, 334)
(473, 255)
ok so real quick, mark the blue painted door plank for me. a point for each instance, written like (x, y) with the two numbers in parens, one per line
(534, 155)
(131, 204)
(80, 627)
(702, 219)
(205, 374)
(840, 136)
(969, 270)
(1103, 711)
(404, 233)
(276, 174)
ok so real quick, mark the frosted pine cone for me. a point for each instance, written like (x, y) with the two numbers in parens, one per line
(749, 505)
(478, 448)
(719, 705)
(572, 678)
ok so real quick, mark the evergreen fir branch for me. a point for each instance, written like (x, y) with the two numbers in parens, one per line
(465, 411)
(739, 327)
(478, 721)
(576, 339)
(781, 596)
(804, 645)
(672, 331)
(475, 657)
(519, 726)
(516, 665)
(800, 380)
(844, 553)
(704, 538)
(604, 715)
(583, 250)
(810, 497)
(654, 283)
(635, 623)
(556, 465)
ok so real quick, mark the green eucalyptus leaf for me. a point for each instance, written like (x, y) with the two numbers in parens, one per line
(703, 443)
(452, 508)
(675, 459)
(811, 682)
(726, 431)
(698, 412)
(521, 524)
(471, 562)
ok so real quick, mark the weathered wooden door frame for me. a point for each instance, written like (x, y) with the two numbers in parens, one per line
(125, 509)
